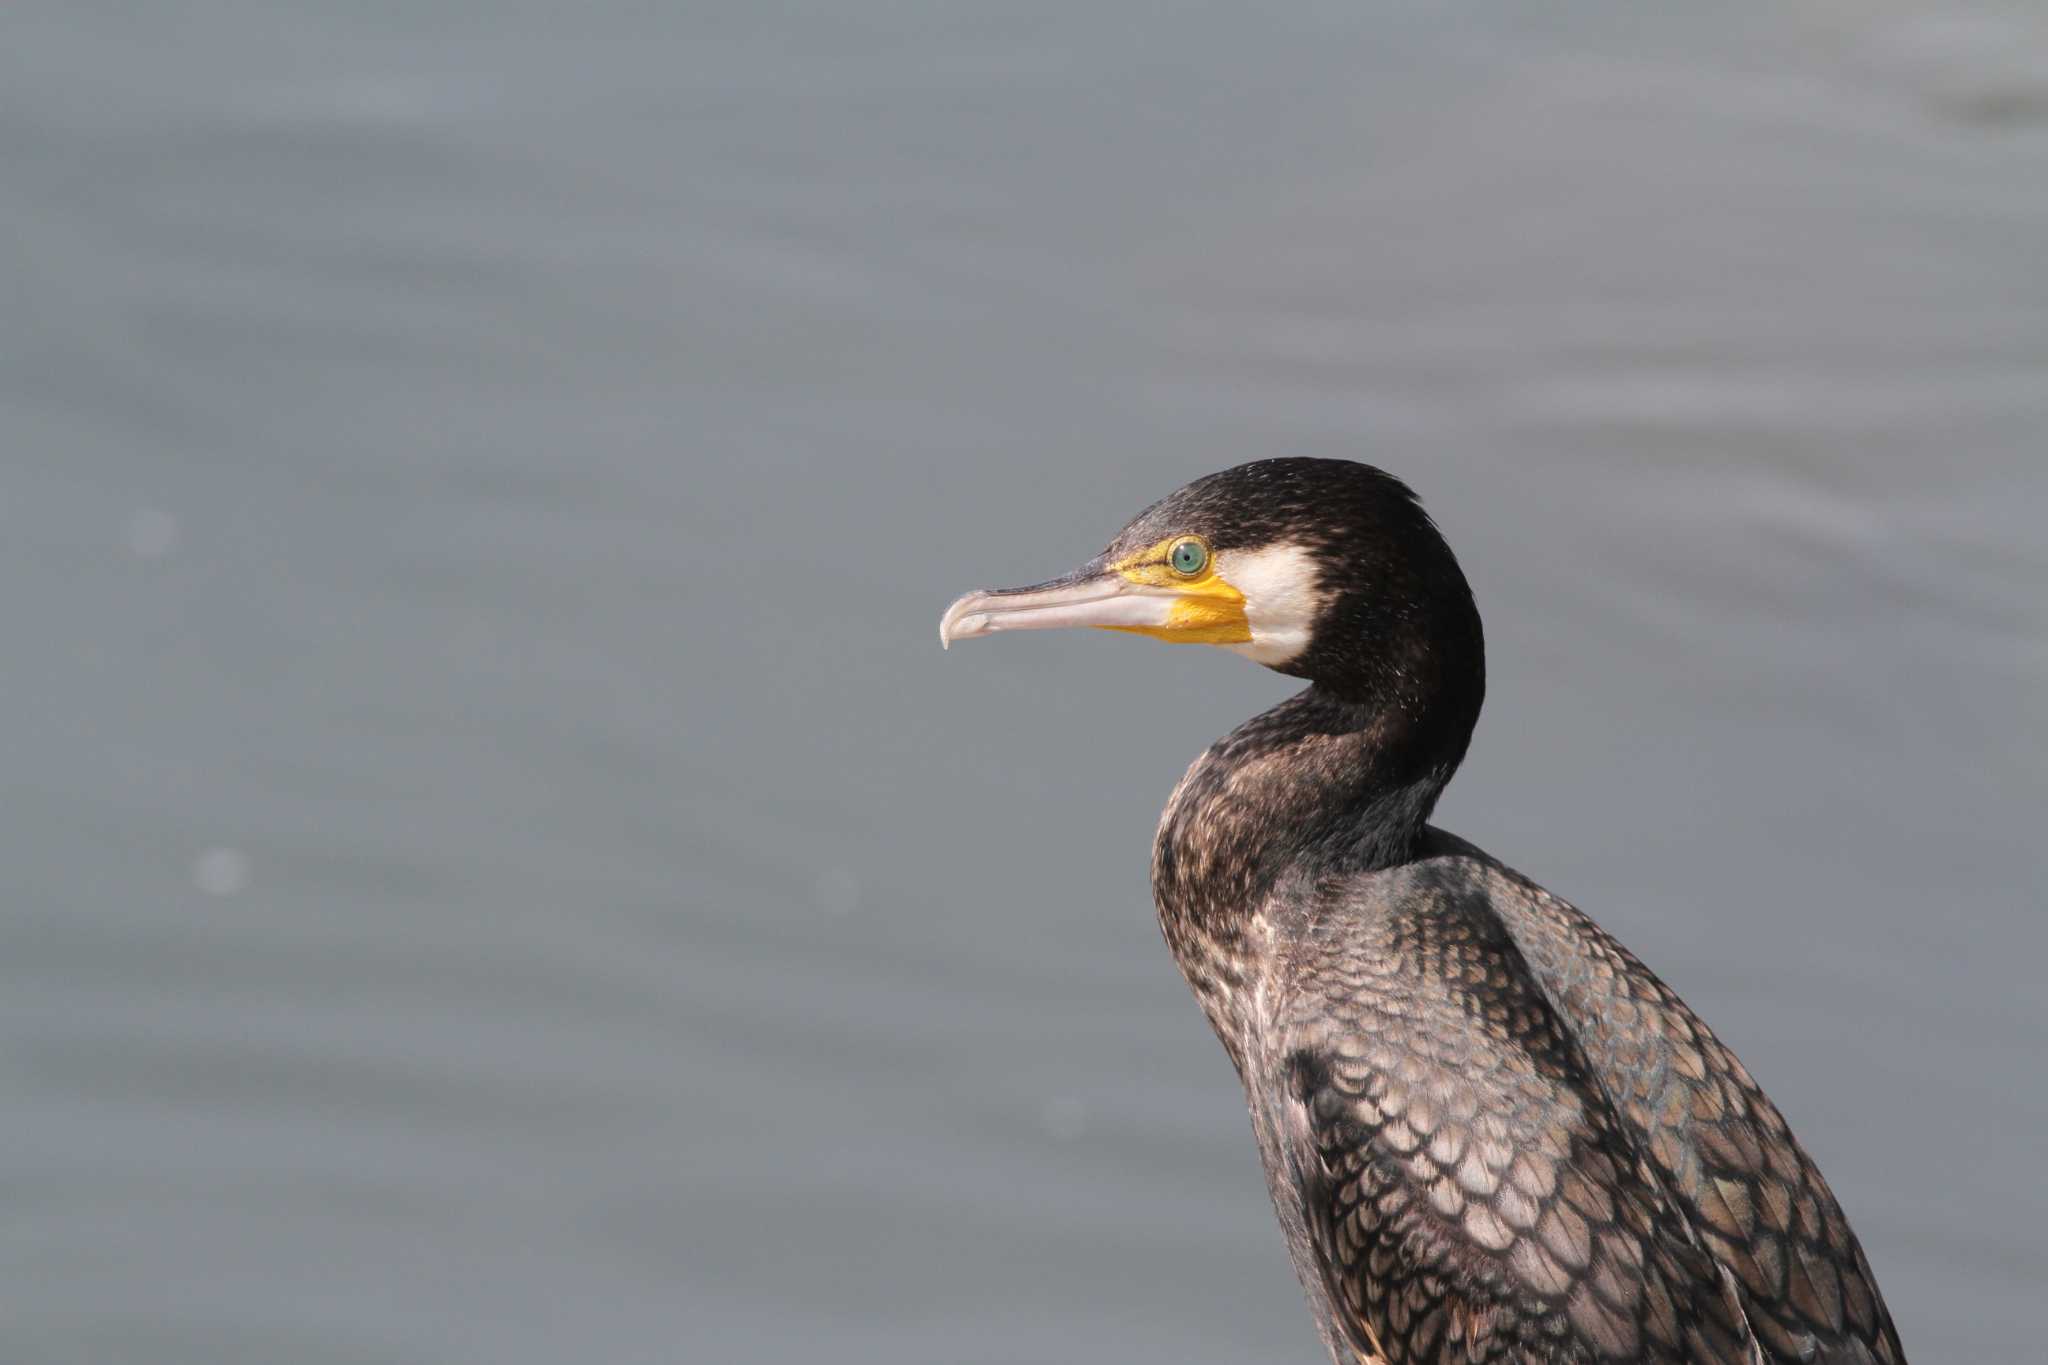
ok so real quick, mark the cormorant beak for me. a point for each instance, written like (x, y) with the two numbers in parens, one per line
(1136, 594)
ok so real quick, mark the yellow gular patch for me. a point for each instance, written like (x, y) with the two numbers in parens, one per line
(1206, 610)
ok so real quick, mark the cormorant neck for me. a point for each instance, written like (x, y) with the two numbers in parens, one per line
(1323, 782)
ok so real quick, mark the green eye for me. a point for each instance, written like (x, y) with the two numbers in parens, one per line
(1188, 557)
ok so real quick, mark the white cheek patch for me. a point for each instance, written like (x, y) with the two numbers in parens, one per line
(1282, 596)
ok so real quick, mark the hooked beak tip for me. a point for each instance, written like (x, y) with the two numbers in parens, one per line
(959, 622)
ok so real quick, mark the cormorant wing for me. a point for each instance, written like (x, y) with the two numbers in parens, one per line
(1460, 1185)
(1754, 1198)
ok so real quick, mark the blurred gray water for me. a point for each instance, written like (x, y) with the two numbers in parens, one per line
(496, 866)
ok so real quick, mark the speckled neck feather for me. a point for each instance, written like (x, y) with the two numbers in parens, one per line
(1311, 786)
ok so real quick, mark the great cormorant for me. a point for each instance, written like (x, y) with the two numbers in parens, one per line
(1491, 1134)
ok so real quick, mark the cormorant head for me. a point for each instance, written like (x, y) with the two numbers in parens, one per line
(1324, 569)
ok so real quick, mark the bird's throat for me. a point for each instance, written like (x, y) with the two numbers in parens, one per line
(1317, 784)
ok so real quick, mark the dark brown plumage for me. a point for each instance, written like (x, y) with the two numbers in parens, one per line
(1490, 1133)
